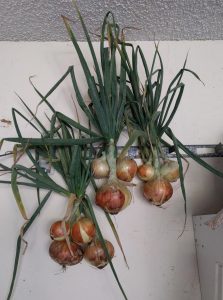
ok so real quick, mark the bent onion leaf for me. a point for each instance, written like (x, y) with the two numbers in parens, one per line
(116, 237)
(181, 177)
(19, 239)
(104, 245)
(196, 157)
(16, 193)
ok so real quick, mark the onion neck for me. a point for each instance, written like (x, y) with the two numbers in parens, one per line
(156, 162)
(111, 159)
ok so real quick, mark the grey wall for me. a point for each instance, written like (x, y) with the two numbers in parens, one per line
(30, 20)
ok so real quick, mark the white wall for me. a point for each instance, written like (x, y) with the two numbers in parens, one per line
(162, 267)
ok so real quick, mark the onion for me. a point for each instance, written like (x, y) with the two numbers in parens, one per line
(83, 231)
(100, 167)
(170, 170)
(146, 172)
(113, 197)
(126, 169)
(57, 231)
(96, 255)
(60, 253)
(158, 191)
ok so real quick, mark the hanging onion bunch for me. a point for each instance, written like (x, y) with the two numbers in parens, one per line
(107, 92)
(153, 113)
(71, 158)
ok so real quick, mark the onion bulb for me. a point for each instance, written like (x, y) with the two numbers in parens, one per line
(100, 167)
(113, 197)
(146, 172)
(96, 255)
(158, 191)
(83, 231)
(57, 231)
(60, 253)
(170, 170)
(126, 169)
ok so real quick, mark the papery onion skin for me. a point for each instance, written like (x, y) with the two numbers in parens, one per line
(113, 197)
(83, 231)
(170, 170)
(100, 168)
(57, 232)
(158, 191)
(96, 255)
(60, 253)
(126, 169)
(146, 172)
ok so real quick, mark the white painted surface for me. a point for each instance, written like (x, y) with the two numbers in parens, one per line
(210, 258)
(162, 267)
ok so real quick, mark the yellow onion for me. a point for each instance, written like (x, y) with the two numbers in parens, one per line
(158, 191)
(57, 231)
(59, 252)
(100, 167)
(83, 231)
(113, 196)
(146, 172)
(170, 170)
(126, 169)
(96, 255)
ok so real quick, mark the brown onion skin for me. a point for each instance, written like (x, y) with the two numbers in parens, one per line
(60, 253)
(146, 172)
(96, 255)
(100, 168)
(113, 197)
(56, 231)
(158, 191)
(87, 226)
(126, 169)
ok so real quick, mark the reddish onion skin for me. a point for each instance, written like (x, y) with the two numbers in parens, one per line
(113, 197)
(126, 169)
(60, 253)
(100, 168)
(158, 191)
(56, 231)
(96, 255)
(83, 231)
(146, 172)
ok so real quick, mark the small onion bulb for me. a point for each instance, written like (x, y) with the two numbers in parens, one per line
(96, 255)
(83, 231)
(57, 231)
(170, 170)
(126, 169)
(100, 167)
(146, 172)
(158, 191)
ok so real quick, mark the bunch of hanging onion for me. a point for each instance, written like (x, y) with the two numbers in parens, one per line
(157, 187)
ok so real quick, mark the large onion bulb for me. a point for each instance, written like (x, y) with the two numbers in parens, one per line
(126, 169)
(83, 231)
(96, 255)
(60, 252)
(113, 197)
(158, 191)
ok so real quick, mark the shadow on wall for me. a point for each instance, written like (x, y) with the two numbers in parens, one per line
(204, 189)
